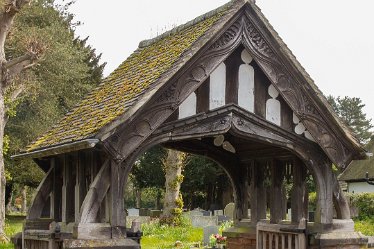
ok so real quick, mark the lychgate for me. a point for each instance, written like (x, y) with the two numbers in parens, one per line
(225, 86)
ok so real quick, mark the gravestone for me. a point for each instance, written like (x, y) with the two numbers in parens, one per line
(222, 218)
(133, 212)
(218, 212)
(206, 213)
(229, 210)
(155, 213)
(208, 231)
(141, 219)
(144, 212)
(196, 213)
(203, 221)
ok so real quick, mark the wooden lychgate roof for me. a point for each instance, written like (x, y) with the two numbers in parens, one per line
(121, 95)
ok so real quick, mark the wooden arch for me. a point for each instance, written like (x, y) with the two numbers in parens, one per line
(239, 123)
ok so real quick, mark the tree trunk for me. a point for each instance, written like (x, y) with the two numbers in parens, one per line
(8, 71)
(173, 204)
(24, 199)
(138, 198)
(2, 169)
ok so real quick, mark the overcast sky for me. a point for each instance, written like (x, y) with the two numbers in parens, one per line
(333, 39)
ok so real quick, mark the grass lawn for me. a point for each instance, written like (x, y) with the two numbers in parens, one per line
(365, 226)
(156, 236)
(13, 225)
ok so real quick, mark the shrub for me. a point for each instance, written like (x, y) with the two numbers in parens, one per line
(365, 204)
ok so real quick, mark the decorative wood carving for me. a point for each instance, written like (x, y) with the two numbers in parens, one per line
(154, 113)
(294, 93)
(243, 30)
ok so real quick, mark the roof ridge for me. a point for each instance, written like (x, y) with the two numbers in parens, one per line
(148, 42)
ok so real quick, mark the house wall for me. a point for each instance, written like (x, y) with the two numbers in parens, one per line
(360, 187)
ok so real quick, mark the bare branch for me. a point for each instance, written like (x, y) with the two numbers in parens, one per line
(21, 59)
(16, 92)
(12, 7)
(16, 66)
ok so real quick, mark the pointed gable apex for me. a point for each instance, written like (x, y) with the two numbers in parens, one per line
(155, 65)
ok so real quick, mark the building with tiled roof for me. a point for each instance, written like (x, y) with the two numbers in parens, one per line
(224, 86)
(358, 173)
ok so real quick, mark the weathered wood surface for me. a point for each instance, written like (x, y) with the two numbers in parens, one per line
(299, 197)
(96, 194)
(42, 193)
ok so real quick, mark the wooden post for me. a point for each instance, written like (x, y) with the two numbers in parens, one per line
(57, 189)
(241, 187)
(202, 97)
(68, 199)
(79, 185)
(258, 193)
(52, 208)
(298, 196)
(117, 212)
(324, 211)
(276, 199)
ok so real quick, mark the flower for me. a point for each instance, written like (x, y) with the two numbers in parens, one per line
(215, 239)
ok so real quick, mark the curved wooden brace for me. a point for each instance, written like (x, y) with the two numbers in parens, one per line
(340, 201)
(42, 194)
(98, 189)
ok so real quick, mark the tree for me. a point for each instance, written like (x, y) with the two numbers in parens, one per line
(39, 96)
(350, 111)
(68, 70)
(173, 202)
(204, 182)
(148, 173)
(11, 83)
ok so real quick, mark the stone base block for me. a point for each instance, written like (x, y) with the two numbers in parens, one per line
(100, 244)
(338, 240)
(240, 238)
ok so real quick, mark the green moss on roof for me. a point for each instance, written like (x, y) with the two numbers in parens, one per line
(124, 86)
(357, 169)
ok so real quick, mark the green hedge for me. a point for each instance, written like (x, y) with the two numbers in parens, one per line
(364, 202)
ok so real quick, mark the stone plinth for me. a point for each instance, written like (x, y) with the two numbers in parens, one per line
(338, 240)
(240, 237)
(102, 244)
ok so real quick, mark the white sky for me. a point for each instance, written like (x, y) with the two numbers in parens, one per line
(332, 39)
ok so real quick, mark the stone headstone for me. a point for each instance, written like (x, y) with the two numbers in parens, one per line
(222, 218)
(196, 213)
(289, 214)
(208, 231)
(142, 219)
(203, 221)
(135, 226)
(249, 213)
(229, 210)
(133, 212)
(144, 212)
(155, 213)
(218, 212)
(206, 213)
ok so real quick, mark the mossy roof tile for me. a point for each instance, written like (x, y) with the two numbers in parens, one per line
(120, 90)
(358, 168)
